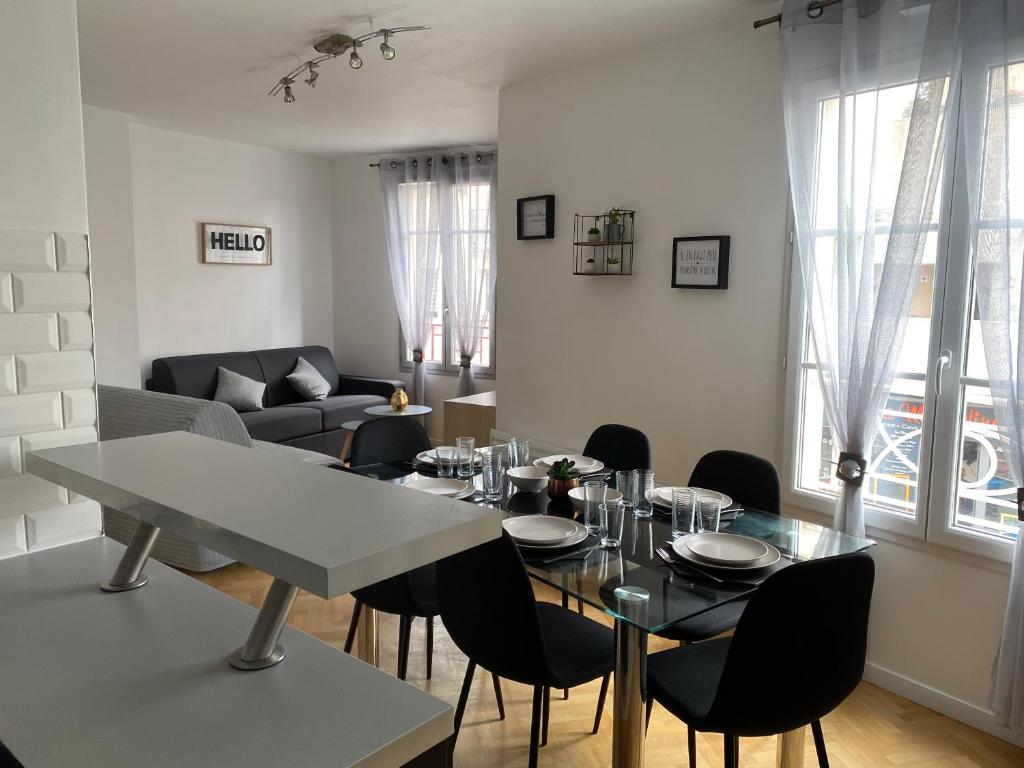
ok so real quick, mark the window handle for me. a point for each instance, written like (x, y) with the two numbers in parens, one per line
(941, 364)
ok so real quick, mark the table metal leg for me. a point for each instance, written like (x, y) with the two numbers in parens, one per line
(261, 649)
(630, 696)
(789, 752)
(368, 642)
(128, 574)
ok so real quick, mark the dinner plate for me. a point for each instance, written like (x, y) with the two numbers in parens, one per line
(683, 551)
(427, 457)
(663, 496)
(726, 549)
(577, 538)
(441, 486)
(584, 464)
(542, 530)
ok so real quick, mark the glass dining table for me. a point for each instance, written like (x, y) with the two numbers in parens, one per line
(639, 591)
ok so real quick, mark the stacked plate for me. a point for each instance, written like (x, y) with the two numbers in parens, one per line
(545, 532)
(728, 551)
(428, 457)
(584, 464)
(663, 496)
(442, 486)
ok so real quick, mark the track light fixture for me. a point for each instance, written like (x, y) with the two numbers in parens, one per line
(332, 47)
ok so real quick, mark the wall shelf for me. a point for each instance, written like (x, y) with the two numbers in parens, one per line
(612, 252)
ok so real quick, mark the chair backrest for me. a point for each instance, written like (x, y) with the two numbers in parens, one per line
(390, 438)
(619, 447)
(799, 648)
(749, 479)
(127, 412)
(489, 610)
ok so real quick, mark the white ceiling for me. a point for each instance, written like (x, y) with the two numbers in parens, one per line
(205, 66)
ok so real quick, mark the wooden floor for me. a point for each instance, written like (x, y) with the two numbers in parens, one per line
(872, 729)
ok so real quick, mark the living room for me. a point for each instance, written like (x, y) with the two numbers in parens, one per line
(674, 120)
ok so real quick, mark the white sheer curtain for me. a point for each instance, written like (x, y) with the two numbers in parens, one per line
(991, 113)
(859, 255)
(412, 213)
(469, 247)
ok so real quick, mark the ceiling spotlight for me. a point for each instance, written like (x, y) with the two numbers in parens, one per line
(386, 50)
(289, 97)
(354, 61)
(313, 74)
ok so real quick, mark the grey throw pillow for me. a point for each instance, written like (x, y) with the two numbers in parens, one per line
(240, 392)
(307, 381)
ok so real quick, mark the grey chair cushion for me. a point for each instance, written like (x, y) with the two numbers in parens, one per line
(196, 375)
(278, 424)
(276, 364)
(240, 392)
(338, 409)
(307, 381)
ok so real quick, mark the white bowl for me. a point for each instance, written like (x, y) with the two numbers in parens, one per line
(577, 496)
(529, 478)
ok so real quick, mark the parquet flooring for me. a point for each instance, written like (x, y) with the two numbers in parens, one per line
(872, 729)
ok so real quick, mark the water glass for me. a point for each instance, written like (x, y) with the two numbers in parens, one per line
(612, 517)
(518, 452)
(594, 493)
(710, 511)
(685, 512)
(624, 483)
(492, 473)
(643, 492)
(465, 454)
(444, 456)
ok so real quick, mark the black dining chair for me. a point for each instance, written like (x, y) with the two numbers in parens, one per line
(619, 447)
(797, 653)
(491, 614)
(389, 438)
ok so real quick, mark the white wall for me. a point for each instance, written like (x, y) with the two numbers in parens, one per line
(696, 146)
(366, 328)
(47, 371)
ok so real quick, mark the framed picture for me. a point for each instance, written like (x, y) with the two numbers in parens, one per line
(535, 217)
(700, 262)
(236, 244)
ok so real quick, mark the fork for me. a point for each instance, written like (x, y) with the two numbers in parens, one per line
(664, 555)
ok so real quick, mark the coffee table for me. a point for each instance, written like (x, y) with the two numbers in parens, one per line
(387, 410)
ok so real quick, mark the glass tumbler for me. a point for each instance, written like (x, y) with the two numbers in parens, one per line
(492, 472)
(685, 512)
(643, 494)
(444, 456)
(710, 511)
(518, 452)
(594, 493)
(612, 518)
(465, 455)
(624, 483)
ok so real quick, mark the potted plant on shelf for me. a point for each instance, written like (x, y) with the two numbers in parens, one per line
(590, 266)
(593, 235)
(614, 228)
(613, 261)
(562, 477)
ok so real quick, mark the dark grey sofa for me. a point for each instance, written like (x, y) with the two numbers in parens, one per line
(314, 424)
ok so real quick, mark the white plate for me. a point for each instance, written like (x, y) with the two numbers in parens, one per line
(726, 549)
(427, 457)
(663, 496)
(572, 541)
(440, 486)
(680, 548)
(584, 464)
(542, 530)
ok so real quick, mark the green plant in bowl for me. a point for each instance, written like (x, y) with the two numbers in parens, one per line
(562, 477)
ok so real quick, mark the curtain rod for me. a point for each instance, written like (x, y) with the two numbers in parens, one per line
(444, 160)
(814, 9)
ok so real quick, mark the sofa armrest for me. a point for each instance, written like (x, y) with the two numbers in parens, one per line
(363, 385)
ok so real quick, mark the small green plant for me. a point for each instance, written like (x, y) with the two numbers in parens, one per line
(615, 216)
(563, 469)
(612, 259)
(593, 231)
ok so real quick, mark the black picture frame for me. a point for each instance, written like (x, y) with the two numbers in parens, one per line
(722, 275)
(549, 217)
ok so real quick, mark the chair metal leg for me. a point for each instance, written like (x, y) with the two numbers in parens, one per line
(565, 694)
(647, 714)
(497, 696)
(538, 695)
(732, 751)
(546, 717)
(404, 636)
(430, 645)
(600, 702)
(351, 636)
(819, 744)
(691, 746)
(460, 708)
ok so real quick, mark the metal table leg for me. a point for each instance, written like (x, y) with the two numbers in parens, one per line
(789, 751)
(261, 649)
(128, 574)
(368, 642)
(630, 696)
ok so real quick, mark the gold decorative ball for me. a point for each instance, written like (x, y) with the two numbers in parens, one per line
(399, 400)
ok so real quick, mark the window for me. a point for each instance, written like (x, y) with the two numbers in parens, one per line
(439, 353)
(935, 469)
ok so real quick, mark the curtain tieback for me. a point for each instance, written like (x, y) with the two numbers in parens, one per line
(1020, 504)
(851, 468)
(466, 361)
(417, 355)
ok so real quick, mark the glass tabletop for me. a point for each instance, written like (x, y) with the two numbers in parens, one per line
(632, 583)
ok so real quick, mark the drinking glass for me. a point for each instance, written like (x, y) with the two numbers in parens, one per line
(685, 512)
(612, 518)
(465, 455)
(624, 483)
(643, 490)
(594, 493)
(710, 511)
(518, 452)
(492, 472)
(444, 456)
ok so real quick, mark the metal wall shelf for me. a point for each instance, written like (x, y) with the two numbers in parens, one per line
(612, 252)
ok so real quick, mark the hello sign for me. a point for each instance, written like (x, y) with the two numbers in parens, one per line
(234, 244)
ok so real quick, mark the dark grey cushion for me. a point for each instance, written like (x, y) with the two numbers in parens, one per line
(277, 424)
(340, 408)
(276, 364)
(196, 375)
